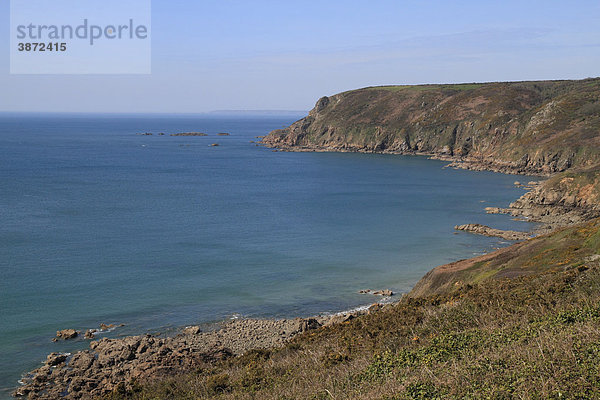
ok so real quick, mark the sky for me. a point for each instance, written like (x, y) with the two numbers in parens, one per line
(282, 55)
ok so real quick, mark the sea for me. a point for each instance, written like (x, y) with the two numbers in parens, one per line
(99, 224)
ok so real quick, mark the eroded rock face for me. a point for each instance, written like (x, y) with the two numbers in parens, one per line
(321, 104)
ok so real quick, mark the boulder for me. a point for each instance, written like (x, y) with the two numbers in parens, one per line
(192, 330)
(89, 334)
(340, 318)
(384, 292)
(66, 334)
(55, 359)
(308, 324)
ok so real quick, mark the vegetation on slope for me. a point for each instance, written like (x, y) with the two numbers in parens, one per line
(536, 127)
(523, 324)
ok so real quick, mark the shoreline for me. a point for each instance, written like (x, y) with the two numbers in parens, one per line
(108, 363)
(456, 162)
(536, 205)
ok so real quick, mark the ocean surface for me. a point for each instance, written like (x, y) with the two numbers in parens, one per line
(100, 225)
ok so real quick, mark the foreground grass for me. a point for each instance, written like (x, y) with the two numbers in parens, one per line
(534, 337)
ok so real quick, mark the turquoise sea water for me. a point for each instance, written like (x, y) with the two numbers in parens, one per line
(99, 225)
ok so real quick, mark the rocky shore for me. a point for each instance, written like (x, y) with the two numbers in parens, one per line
(487, 231)
(553, 205)
(110, 364)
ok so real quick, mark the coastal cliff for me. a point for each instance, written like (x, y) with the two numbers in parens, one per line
(547, 128)
(522, 127)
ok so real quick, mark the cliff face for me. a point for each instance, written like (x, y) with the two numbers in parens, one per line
(521, 127)
(543, 128)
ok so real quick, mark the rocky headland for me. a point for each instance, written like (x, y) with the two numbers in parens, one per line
(544, 128)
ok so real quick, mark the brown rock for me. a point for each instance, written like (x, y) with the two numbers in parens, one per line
(192, 330)
(487, 231)
(385, 292)
(308, 324)
(82, 360)
(22, 391)
(89, 334)
(66, 334)
(55, 359)
(340, 318)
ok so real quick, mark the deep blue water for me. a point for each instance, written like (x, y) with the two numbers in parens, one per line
(99, 225)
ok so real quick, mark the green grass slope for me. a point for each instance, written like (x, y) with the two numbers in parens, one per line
(524, 323)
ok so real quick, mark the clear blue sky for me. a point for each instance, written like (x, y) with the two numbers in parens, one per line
(228, 54)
